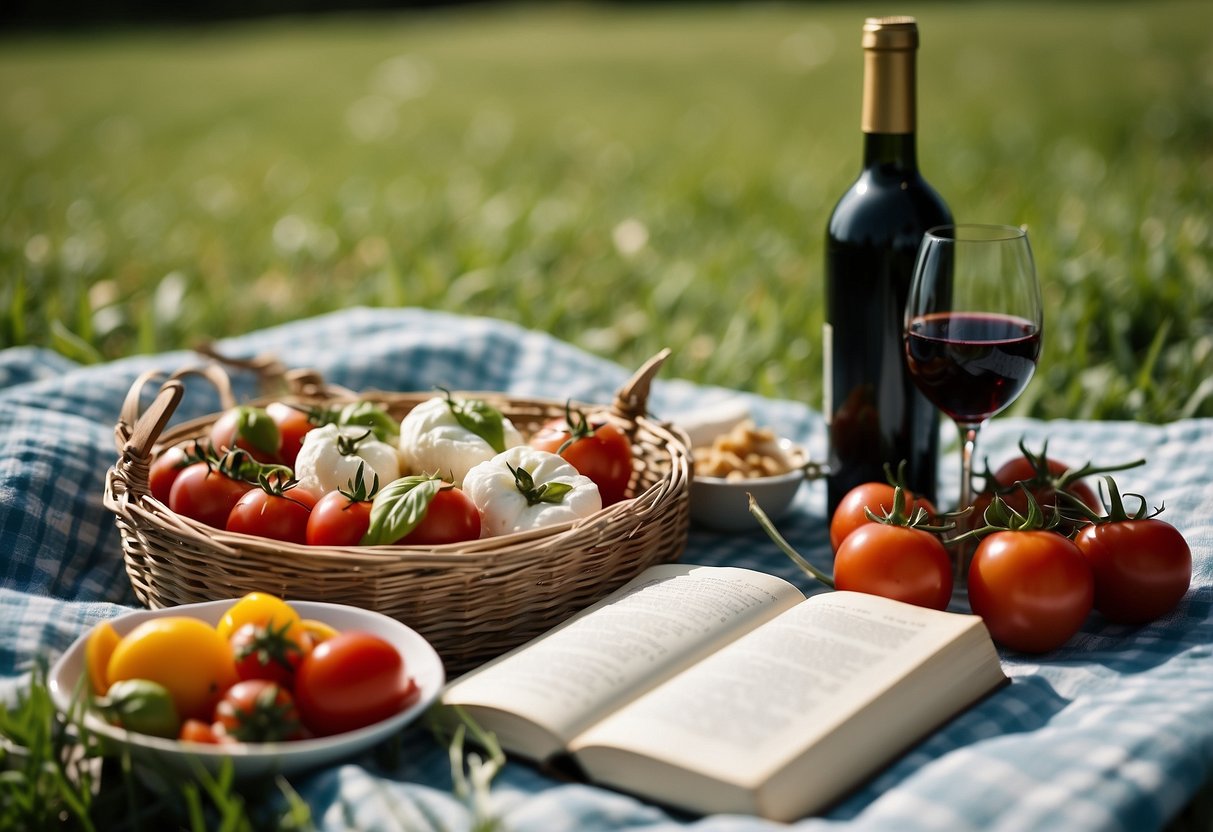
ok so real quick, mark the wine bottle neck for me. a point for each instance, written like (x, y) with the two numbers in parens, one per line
(890, 150)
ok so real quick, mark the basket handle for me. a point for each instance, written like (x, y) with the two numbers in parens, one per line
(270, 371)
(273, 377)
(632, 398)
(136, 433)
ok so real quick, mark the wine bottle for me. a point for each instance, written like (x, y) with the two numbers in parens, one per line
(876, 415)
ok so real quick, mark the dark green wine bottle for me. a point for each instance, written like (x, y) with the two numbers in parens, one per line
(875, 414)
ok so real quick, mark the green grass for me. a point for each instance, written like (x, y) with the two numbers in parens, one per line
(624, 178)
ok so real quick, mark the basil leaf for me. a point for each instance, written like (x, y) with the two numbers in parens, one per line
(371, 415)
(398, 508)
(256, 427)
(482, 419)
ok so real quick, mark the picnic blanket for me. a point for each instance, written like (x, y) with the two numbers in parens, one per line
(1112, 732)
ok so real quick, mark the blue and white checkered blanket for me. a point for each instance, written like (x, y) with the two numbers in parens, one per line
(1112, 732)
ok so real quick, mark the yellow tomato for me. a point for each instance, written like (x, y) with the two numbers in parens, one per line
(185, 655)
(260, 608)
(318, 630)
(97, 651)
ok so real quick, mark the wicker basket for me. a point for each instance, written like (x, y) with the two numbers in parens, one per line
(472, 600)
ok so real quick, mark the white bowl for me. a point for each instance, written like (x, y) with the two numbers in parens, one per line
(724, 504)
(168, 758)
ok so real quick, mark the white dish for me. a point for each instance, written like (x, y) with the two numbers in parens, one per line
(170, 758)
(724, 504)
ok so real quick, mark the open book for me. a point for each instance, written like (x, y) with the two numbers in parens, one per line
(718, 689)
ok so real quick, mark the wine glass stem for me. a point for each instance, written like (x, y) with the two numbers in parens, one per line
(963, 551)
(968, 442)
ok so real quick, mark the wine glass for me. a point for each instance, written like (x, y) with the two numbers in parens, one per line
(972, 327)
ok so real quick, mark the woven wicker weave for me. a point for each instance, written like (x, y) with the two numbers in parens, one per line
(472, 600)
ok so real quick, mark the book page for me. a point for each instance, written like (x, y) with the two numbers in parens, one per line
(658, 624)
(744, 712)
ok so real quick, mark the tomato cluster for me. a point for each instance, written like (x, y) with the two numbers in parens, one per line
(1042, 558)
(262, 674)
(242, 479)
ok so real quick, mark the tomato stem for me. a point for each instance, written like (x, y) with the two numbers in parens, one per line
(548, 492)
(356, 490)
(785, 547)
(1001, 517)
(1117, 513)
(347, 445)
(578, 425)
(917, 519)
(1042, 476)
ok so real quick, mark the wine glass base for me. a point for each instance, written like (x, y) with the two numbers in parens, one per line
(960, 599)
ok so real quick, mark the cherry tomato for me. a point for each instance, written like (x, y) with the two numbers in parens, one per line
(878, 498)
(293, 423)
(338, 520)
(183, 654)
(898, 562)
(273, 512)
(196, 730)
(270, 651)
(205, 494)
(163, 471)
(249, 428)
(352, 680)
(452, 517)
(257, 710)
(598, 449)
(1142, 568)
(1033, 588)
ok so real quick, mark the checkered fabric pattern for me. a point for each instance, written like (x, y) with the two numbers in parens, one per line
(1114, 731)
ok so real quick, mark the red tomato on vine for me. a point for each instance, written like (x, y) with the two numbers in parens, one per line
(876, 497)
(896, 555)
(338, 520)
(168, 465)
(1044, 478)
(898, 562)
(595, 446)
(207, 491)
(1142, 565)
(1030, 584)
(276, 510)
(342, 517)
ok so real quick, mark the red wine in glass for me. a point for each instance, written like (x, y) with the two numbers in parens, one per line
(972, 330)
(971, 365)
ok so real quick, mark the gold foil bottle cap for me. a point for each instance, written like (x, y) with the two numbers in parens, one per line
(898, 32)
(889, 47)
